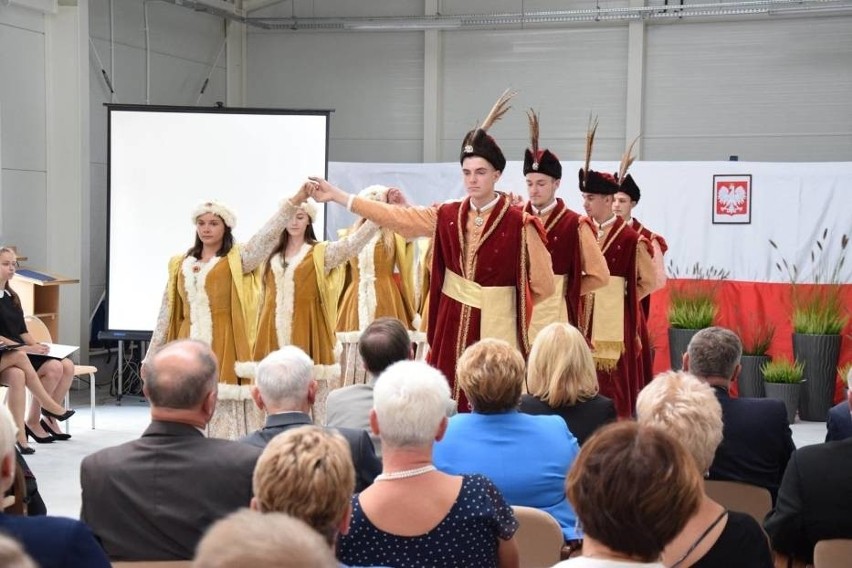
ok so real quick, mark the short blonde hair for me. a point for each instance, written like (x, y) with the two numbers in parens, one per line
(561, 371)
(273, 540)
(686, 408)
(306, 472)
(491, 374)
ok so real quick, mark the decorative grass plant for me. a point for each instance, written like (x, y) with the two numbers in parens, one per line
(783, 371)
(692, 300)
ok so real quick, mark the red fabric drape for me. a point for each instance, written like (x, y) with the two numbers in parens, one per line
(741, 304)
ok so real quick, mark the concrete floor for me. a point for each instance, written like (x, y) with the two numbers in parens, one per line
(57, 465)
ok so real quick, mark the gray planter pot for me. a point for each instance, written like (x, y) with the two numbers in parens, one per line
(788, 393)
(820, 354)
(750, 383)
(678, 342)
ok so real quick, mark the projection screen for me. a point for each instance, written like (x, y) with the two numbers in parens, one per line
(163, 161)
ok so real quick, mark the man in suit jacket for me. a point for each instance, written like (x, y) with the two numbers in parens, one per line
(285, 389)
(814, 500)
(384, 342)
(153, 498)
(52, 542)
(839, 424)
(756, 439)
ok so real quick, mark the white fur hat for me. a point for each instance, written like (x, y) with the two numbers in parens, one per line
(217, 208)
(375, 193)
(310, 207)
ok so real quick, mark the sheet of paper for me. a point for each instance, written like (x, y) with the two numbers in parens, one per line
(59, 351)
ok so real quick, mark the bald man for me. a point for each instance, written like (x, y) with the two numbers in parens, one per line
(153, 498)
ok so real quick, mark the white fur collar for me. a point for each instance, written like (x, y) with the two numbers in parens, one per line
(200, 319)
(367, 282)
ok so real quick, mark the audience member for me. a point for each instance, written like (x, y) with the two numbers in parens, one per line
(527, 457)
(561, 380)
(12, 555)
(687, 409)
(52, 542)
(384, 342)
(839, 424)
(814, 501)
(153, 498)
(756, 439)
(414, 515)
(285, 389)
(307, 473)
(634, 489)
(274, 540)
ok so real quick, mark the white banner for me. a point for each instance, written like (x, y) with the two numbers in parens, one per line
(790, 203)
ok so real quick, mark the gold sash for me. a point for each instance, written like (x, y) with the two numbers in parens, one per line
(608, 324)
(497, 304)
(552, 309)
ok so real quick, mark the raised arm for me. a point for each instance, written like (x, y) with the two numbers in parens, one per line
(410, 222)
(158, 337)
(340, 251)
(257, 249)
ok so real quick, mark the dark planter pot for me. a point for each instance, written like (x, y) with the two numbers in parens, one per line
(820, 354)
(750, 383)
(678, 342)
(788, 393)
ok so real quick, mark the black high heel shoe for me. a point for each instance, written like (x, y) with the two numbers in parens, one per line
(56, 435)
(26, 450)
(61, 417)
(39, 440)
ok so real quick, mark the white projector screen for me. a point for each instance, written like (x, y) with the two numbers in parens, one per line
(163, 161)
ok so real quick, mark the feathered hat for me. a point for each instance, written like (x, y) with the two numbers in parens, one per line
(478, 142)
(536, 160)
(626, 182)
(591, 181)
(223, 211)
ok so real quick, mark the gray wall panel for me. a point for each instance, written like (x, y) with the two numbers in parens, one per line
(24, 202)
(563, 74)
(776, 90)
(374, 83)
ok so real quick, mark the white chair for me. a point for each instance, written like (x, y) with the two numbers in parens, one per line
(539, 537)
(39, 332)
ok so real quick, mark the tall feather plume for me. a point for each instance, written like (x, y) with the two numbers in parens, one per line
(533, 118)
(499, 109)
(590, 141)
(626, 161)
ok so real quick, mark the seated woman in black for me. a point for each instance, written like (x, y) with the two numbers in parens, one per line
(48, 379)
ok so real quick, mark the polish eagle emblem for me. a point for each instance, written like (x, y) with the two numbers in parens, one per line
(731, 199)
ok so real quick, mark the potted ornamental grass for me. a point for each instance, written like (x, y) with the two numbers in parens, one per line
(818, 318)
(756, 339)
(692, 306)
(783, 380)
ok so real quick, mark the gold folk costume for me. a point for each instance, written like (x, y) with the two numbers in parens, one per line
(217, 302)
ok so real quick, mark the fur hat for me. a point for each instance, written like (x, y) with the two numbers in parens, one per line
(310, 207)
(628, 186)
(375, 193)
(223, 211)
(536, 160)
(600, 183)
(479, 143)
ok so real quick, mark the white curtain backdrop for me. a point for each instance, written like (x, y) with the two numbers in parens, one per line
(791, 203)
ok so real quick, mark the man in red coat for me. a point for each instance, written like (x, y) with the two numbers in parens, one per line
(612, 318)
(625, 199)
(489, 262)
(578, 265)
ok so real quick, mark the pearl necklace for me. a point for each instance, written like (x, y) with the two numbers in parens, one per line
(405, 473)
